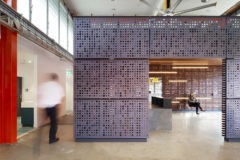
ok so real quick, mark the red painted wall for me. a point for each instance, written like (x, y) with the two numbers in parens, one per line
(8, 83)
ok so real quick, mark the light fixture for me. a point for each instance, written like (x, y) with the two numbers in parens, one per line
(204, 1)
(196, 98)
(164, 72)
(175, 102)
(178, 81)
(29, 61)
(204, 98)
(189, 67)
(181, 98)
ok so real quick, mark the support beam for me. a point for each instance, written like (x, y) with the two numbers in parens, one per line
(8, 83)
(14, 21)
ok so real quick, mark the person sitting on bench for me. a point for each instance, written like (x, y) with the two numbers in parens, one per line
(192, 102)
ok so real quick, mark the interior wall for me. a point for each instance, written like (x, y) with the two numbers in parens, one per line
(69, 91)
(206, 84)
(26, 71)
(46, 63)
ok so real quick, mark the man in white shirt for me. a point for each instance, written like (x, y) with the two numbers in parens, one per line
(51, 94)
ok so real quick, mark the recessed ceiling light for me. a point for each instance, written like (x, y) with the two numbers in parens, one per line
(29, 61)
(113, 0)
(113, 9)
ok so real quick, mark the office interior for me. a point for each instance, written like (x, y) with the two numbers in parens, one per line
(171, 131)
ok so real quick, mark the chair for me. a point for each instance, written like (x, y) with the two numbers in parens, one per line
(190, 105)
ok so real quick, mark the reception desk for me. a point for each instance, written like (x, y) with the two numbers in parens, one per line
(160, 114)
(162, 102)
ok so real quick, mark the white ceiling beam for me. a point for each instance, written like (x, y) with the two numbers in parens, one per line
(159, 6)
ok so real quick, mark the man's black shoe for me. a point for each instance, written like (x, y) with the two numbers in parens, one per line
(55, 140)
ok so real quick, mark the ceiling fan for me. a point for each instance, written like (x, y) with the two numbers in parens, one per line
(170, 11)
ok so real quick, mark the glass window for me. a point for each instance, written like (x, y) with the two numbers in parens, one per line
(63, 26)
(53, 20)
(155, 85)
(23, 8)
(70, 35)
(39, 14)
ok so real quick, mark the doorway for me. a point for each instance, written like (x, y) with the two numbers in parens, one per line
(179, 77)
(19, 95)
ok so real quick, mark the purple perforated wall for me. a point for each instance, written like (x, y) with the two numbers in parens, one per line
(111, 119)
(111, 88)
(233, 98)
(111, 67)
(233, 37)
(188, 37)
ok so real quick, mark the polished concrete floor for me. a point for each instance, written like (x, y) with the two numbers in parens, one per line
(20, 129)
(193, 137)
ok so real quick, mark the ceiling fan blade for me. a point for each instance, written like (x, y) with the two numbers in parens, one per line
(148, 4)
(175, 5)
(195, 9)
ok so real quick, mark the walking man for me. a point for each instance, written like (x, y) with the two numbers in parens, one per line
(51, 94)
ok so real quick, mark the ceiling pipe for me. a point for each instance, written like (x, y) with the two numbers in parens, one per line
(195, 9)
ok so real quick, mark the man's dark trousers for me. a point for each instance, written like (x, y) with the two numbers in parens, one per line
(51, 113)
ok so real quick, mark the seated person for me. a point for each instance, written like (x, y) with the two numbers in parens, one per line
(192, 101)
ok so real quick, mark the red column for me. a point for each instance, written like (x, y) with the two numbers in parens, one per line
(8, 83)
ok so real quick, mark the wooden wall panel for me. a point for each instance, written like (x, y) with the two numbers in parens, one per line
(204, 83)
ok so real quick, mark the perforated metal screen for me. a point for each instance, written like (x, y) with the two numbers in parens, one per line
(111, 118)
(233, 78)
(124, 80)
(233, 33)
(111, 78)
(187, 37)
(111, 37)
(233, 98)
(233, 119)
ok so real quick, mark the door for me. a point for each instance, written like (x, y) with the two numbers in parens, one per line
(19, 95)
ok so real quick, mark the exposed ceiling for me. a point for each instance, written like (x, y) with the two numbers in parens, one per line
(188, 62)
(135, 7)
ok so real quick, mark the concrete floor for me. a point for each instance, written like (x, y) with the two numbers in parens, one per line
(20, 129)
(194, 137)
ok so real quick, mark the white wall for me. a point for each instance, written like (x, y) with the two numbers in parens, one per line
(46, 63)
(69, 92)
(26, 71)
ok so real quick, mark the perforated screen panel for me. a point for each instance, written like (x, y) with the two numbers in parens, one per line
(111, 78)
(233, 33)
(111, 118)
(233, 78)
(125, 80)
(233, 119)
(111, 37)
(187, 37)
